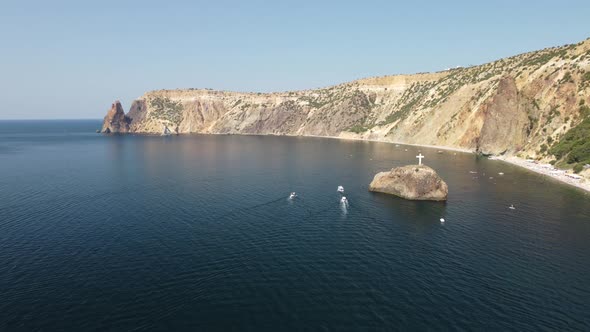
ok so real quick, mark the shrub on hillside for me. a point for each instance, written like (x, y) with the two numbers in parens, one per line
(574, 146)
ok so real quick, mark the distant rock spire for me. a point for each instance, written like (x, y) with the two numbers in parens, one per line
(116, 121)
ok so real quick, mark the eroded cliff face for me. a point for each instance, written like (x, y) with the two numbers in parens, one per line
(115, 121)
(510, 106)
(504, 120)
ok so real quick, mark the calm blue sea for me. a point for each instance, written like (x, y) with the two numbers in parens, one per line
(143, 233)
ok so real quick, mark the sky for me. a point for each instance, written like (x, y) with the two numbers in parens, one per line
(72, 59)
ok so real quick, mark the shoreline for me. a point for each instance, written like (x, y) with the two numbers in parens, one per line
(439, 147)
(583, 184)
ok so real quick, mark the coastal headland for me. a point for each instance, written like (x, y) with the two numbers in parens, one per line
(532, 106)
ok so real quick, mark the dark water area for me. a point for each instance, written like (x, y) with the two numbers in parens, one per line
(134, 233)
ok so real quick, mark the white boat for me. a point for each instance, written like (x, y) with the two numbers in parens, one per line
(343, 200)
(293, 195)
(511, 207)
(340, 189)
(500, 173)
(442, 220)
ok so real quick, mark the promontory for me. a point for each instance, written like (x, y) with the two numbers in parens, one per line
(517, 106)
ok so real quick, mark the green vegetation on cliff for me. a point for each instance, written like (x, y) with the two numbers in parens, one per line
(166, 109)
(573, 150)
(358, 128)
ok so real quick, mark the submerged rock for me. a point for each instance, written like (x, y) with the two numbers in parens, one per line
(414, 182)
(116, 121)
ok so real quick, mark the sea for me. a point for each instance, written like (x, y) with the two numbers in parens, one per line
(197, 233)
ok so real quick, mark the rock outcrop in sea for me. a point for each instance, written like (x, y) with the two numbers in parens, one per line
(413, 182)
(116, 121)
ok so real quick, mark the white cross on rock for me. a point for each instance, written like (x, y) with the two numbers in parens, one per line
(420, 157)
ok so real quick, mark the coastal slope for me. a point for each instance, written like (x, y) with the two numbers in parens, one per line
(519, 105)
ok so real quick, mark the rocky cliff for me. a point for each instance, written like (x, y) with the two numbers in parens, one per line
(511, 106)
(116, 121)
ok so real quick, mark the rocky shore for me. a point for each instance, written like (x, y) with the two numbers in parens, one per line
(562, 176)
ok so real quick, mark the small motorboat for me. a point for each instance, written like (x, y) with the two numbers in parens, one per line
(442, 220)
(343, 200)
(293, 195)
(340, 189)
(511, 207)
(501, 173)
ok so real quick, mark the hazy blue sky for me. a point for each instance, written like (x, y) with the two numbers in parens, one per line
(72, 59)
